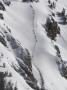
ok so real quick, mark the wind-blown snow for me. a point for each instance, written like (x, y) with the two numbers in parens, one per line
(25, 21)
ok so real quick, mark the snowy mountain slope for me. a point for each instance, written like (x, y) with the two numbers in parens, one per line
(32, 52)
(45, 54)
(13, 63)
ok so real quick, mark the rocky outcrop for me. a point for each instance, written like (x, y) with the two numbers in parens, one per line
(2, 7)
(51, 28)
(30, 0)
(62, 65)
(7, 2)
(62, 16)
(3, 41)
(3, 85)
(23, 59)
(1, 16)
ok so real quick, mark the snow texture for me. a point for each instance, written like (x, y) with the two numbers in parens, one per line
(33, 45)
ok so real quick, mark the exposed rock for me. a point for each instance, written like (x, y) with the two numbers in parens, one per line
(27, 0)
(2, 40)
(62, 16)
(7, 2)
(51, 28)
(3, 85)
(62, 13)
(30, 0)
(63, 68)
(24, 61)
(1, 16)
(2, 7)
(62, 65)
(20, 53)
(51, 5)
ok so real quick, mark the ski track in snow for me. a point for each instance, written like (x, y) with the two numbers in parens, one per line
(25, 21)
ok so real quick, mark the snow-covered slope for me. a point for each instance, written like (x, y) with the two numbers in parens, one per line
(45, 54)
(33, 45)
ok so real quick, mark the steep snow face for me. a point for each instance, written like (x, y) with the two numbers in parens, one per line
(45, 54)
(19, 17)
(28, 56)
(10, 69)
(16, 71)
(15, 63)
(7, 61)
